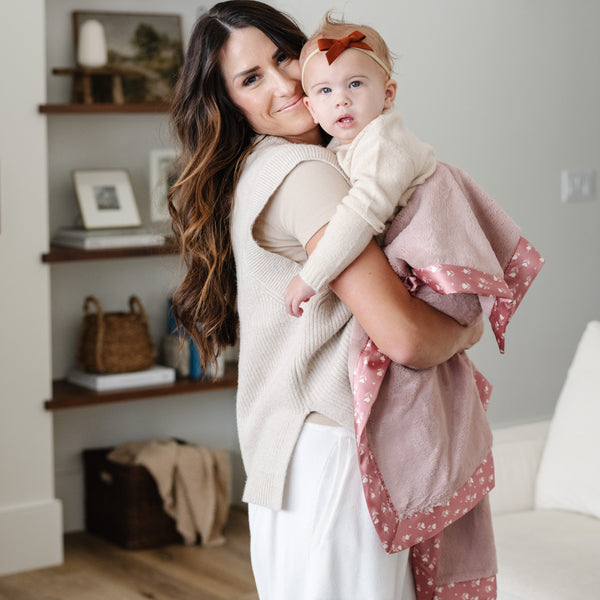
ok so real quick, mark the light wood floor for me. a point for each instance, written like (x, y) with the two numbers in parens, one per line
(97, 570)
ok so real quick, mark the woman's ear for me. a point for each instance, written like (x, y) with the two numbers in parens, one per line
(390, 93)
(310, 110)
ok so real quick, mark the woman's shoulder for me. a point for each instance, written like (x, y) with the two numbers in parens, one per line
(288, 153)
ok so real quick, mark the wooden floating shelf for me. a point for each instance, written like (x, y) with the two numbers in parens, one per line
(100, 107)
(68, 395)
(59, 254)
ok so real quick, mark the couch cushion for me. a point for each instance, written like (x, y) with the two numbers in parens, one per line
(517, 451)
(568, 476)
(547, 555)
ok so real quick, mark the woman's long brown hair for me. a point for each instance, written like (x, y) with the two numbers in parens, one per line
(215, 139)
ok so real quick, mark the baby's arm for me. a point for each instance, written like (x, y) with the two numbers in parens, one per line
(346, 236)
(384, 163)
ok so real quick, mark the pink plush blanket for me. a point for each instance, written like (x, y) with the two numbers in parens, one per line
(423, 438)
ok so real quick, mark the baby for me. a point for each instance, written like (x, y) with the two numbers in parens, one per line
(346, 75)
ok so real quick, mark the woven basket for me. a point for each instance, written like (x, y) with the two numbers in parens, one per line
(123, 505)
(115, 342)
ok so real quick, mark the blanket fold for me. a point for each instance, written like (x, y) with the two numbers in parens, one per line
(424, 442)
(194, 483)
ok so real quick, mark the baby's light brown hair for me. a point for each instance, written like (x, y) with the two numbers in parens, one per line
(334, 28)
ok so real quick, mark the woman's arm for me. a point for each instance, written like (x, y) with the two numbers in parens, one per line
(403, 327)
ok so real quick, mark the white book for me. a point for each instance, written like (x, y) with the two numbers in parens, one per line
(93, 239)
(156, 375)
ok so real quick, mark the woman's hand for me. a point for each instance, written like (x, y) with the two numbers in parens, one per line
(403, 327)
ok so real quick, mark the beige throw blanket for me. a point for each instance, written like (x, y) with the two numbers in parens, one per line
(194, 483)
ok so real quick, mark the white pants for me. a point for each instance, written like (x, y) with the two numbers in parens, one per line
(322, 545)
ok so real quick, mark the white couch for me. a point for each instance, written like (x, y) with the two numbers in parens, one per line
(546, 504)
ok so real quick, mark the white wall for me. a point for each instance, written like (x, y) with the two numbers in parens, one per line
(30, 518)
(510, 92)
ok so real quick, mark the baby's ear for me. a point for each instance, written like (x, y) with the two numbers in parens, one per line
(310, 110)
(390, 93)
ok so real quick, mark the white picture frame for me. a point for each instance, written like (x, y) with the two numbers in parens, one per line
(162, 173)
(105, 198)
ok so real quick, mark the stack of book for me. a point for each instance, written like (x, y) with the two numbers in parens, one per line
(94, 239)
(156, 375)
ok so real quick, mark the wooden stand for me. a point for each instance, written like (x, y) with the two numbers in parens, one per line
(92, 85)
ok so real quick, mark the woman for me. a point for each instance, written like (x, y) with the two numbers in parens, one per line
(258, 185)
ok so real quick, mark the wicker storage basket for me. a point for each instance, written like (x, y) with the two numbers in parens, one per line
(122, 504)
(115, 342)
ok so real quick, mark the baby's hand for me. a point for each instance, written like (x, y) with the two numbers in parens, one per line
(297, 292)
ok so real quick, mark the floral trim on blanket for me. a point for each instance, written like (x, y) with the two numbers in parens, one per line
(424, 560)
(520, 272)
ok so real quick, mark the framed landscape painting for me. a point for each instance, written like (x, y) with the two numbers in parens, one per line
(146, 49)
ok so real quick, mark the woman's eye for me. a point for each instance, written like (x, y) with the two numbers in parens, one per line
(250, 80)
(282, 57)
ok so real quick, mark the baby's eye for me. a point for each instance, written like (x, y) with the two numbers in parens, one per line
(325, 90)
(355, 84)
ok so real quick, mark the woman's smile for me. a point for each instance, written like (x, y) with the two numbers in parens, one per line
(293, 104)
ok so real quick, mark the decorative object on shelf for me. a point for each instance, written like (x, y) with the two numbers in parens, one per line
(115, 342)
(162, 176)
(91, 46)
(182, 353)
(95, 85)
(105, 198)
(176, 354)
(155, 375)
(95, 239)
(145, 54)
(196, 369)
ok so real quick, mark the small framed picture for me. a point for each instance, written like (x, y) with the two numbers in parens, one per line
(106, 199)
(162, 176)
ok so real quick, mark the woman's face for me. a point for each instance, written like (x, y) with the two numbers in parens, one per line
(264, 83)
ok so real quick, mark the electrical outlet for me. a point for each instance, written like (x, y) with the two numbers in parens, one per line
(578, 185)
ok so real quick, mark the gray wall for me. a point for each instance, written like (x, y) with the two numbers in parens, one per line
(510, 92)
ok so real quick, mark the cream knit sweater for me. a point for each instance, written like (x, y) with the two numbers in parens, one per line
(288, 367)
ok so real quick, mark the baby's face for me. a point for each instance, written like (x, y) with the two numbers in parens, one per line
(348, 94)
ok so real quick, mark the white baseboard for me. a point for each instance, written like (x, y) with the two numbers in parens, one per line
(31, 536)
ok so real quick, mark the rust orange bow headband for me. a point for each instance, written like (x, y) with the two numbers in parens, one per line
(334, 47)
